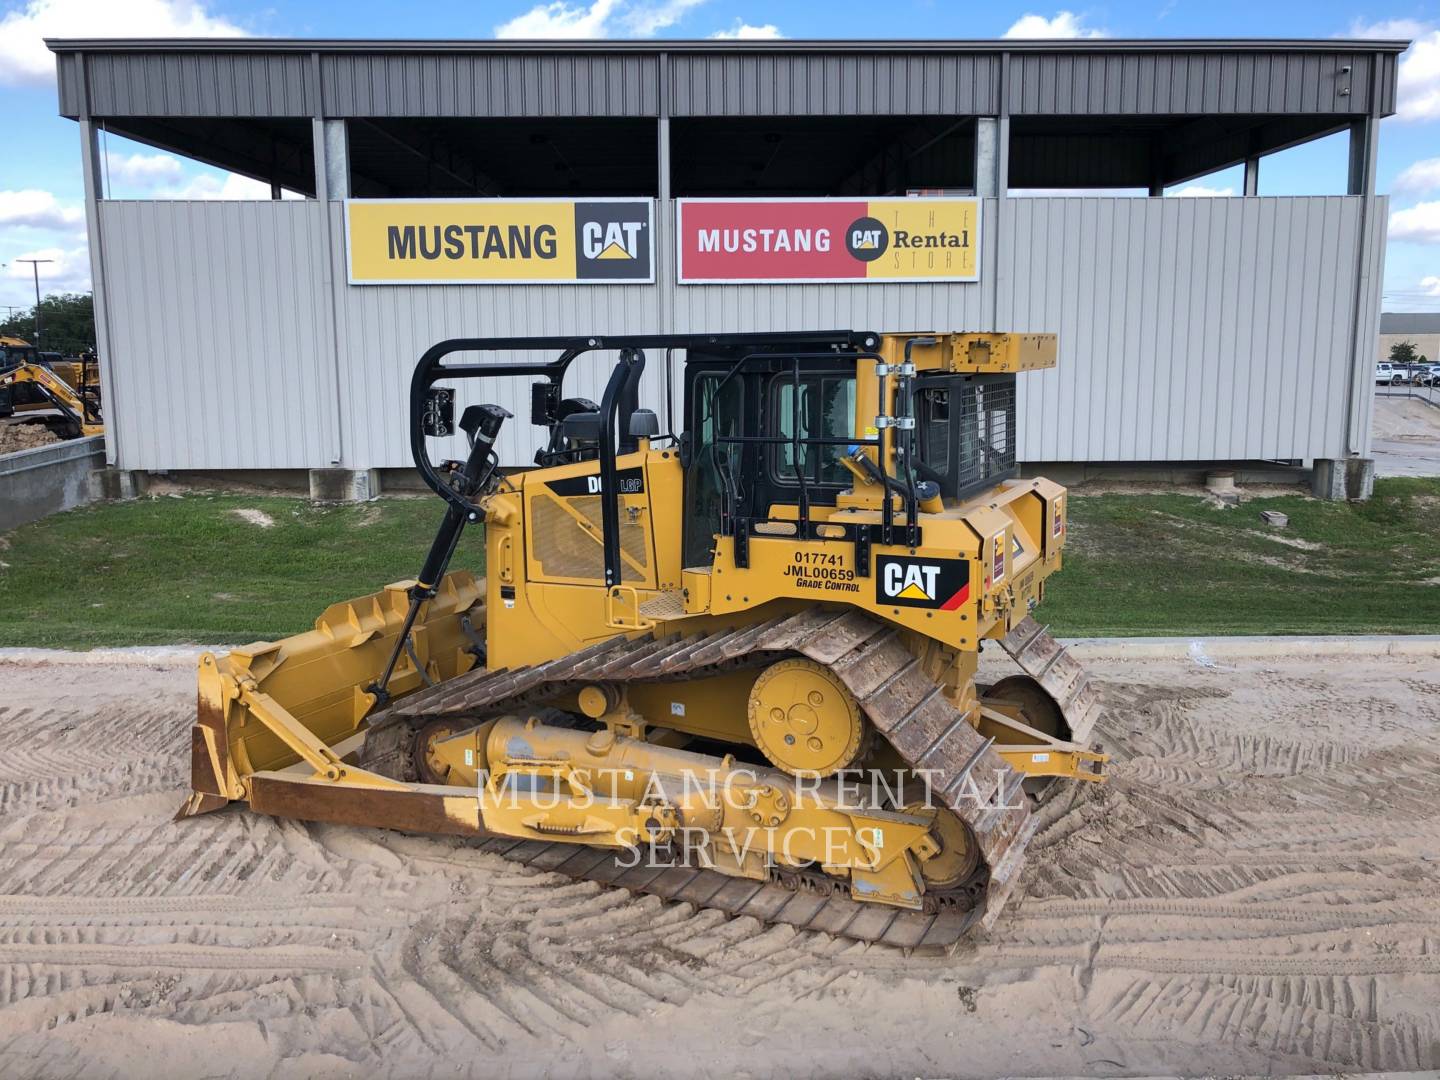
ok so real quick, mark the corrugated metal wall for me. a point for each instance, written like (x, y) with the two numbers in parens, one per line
(1064, 79)
(1367, 329)
(861, 84)
(1191, 329)
(194, 84)
(369, 84)
(383, 329)
(219, 334)
(1183, 83)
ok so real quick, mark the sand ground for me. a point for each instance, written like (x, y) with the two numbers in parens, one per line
(1257, 890)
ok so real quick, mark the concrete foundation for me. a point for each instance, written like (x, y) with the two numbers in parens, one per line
(344, 485)
(1343, 478)
(119, 483)
(48, 479)
(1180, 474)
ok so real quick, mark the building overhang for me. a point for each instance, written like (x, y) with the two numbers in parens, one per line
(1083, 113)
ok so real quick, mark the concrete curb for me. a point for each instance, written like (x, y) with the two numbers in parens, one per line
(159, 656)
(1202, 650)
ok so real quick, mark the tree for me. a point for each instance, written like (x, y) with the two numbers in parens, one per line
(1403, 352)
(67, 323)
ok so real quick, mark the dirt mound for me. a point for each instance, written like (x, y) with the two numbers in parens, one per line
(1253, 892)
(25, 436)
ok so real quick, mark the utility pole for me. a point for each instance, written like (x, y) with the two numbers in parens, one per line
(35, 266)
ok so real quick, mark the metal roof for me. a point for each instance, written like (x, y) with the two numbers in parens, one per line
(711, 45)
(259, 77)
(1410, 322)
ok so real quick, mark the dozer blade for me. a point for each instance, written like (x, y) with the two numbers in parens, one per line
(293, 704)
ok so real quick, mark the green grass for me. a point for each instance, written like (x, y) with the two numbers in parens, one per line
(1177, 564)
(171, 570)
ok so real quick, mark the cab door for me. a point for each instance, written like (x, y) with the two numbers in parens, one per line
(716, 404)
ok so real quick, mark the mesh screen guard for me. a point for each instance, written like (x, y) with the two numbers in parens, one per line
(967, 437)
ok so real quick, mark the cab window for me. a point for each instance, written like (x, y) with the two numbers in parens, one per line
(718, 414)
(826, 408)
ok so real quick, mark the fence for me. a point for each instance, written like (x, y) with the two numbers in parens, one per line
(1428, 394)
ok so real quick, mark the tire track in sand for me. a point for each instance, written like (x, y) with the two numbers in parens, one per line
(1243, 892)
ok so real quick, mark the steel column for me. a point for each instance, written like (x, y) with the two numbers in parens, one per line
(321, 140)
(90, 168)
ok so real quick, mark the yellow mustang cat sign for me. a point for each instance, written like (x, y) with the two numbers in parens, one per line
(499, 241)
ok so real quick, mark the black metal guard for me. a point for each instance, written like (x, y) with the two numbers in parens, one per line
(621, 385)
(429, 370)
(738, 527)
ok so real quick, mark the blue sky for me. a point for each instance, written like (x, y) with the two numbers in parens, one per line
(40, 185)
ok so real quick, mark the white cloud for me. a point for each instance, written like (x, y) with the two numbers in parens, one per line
(1072, 193)
(228, 186)
(599, 19)
(1430, 286)
(559, 20)
(646, 21)
(36, 209)
(1421, 176)
(1065, 24)
(25, 59)
(1200, 191)
(67, 271)
(143, 170)
(1420, 223)
(1419, 75)
(152, 180)
(1420, 80)
(1387, 29)
(743, 31)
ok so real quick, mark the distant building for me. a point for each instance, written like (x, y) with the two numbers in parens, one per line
(1420, 328)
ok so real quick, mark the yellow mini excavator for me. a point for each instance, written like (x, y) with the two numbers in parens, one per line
(733, 666)
(30, 383)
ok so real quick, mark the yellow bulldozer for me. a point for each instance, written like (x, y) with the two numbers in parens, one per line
(66, 392)
(733, 665)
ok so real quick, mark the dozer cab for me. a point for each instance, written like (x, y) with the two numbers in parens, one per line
(732, 665)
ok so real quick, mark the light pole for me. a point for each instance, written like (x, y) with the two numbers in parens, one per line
(35, 266)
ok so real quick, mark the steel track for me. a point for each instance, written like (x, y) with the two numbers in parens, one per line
(901, 702)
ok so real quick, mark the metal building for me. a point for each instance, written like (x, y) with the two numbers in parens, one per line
(249, 335)
(1418, 328)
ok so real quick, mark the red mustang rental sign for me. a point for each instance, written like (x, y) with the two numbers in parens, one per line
(782, 240)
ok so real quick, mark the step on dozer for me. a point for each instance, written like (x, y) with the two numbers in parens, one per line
(732, 666)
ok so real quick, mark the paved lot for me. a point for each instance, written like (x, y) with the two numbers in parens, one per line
(1407, 436)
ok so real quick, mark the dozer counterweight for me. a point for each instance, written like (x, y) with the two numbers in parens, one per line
(733, 665)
